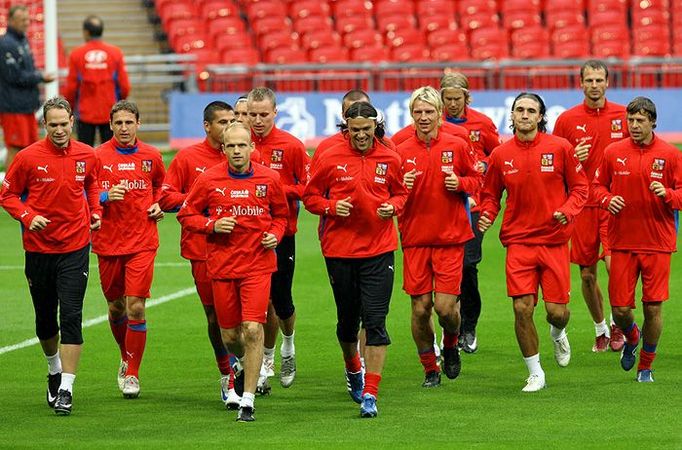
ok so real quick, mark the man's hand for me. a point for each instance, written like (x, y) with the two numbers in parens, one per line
(657, 188)
(343, 207)
(95, 222)
(38, 223)
(154, 212)
(385, 211)
(409, 178)
(116, 193)
(269, 241)
(484, 223)
(561, 217)
(225, 224)
(616, 204)
(451, 182)
(480, 166)
(582, 150)
(48, 77)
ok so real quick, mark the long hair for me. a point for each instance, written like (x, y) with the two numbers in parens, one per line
(542, 125)
(367, 111)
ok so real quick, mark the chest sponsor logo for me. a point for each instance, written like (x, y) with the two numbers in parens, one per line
(277, 166)
(475, 135)
(342, 167)
(447, 169)
(446, 157)
(42, 168)
(621, 163)
(547, 162)
(381, 169)
(277, 155)
(134, 185)
(239, 210)
(122, 167)
(261, 190)
(239, 193)
(80, 167)
(582, 128)
(110, 168)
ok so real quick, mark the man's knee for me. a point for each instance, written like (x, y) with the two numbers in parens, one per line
(135, 308)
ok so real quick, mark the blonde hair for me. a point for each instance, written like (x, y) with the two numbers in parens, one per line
(456, 80)
(428, 95)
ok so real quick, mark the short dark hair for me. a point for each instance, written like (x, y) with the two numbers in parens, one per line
(94, 26)
(212, 108)
(594, 64)
(366, 110)
(355, 95)
(56, 103)
(124, 105)
(542, 125)
(644, 106)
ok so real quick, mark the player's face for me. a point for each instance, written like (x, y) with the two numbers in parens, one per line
(640, 127)
(20, 21)
(594, 83)
(261, 117)
(454, 101)
(425, 117)
(241, 114)
(214, 129)
(526, 115)
(361, 132)
(238, 147)
(124, 125)
(58, 125)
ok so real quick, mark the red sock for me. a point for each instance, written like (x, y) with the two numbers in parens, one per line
(632, 335)
(118, 329)
(353, 364)
(136, 338)
(450, 339)
(371, 384)
(223, 362)
(428, 360)
(645, 360)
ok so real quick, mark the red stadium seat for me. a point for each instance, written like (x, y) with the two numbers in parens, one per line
(651, 18)
(492, 51)
(410, 53)
(474, 7)
(344, 8)
(365, 39)
(393, 8)
(482, 19)
(226, 25)
(324, 55)
(553, 6)
(531, 50)
(189, 42)
(311, 24)
(349, 24)
(369, 54)
(611, 49)
(521, 19)
(276, 39)
(262, 9)
(599, 6)
(246, 56)
(269, 25)
(305, 8)
(563, 19)
(455, 38)
(320, 38)
(218, 8)
(435, 7)
(660, 48)
(529, 35)
(575, 48)
(394, 22)
(609, 33)
(176, 11)
(230, 42)
(599, 19)
(285, 55)
(487, 36)
(406, 36)
(437, 22)
(450, 53)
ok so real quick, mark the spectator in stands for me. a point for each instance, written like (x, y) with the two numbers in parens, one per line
(590, 127)
(97, 79)
(483, 138)
(19, 80)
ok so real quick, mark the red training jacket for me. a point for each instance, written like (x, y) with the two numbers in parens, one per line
(369, 180)
(126, 227)
(281, 151)
(598, 127)
(258, 202)
(49, 181)
(647, 222)
(541, 176)
(97, 79)
(447, 127)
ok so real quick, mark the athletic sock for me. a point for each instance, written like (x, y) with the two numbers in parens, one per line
(353, 364)
(67, 382)
(372, 381)
(556, 333)
(287, 349)
(601, 328)
(222, 359)
(136, 339)
(269, 353)
(54, 363)
(247, 400)
(632, 334)
(118, 329)
(450, 340)
(646, 356)
(428, 360)
(533, 365)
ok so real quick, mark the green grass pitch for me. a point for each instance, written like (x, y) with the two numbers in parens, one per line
(590, 404)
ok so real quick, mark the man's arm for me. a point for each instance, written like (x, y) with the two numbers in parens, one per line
(314, 196)
(491, 193)
(578, 187)
(15, 75)
(172, 190)
(191, 215)
(13, 186)
(279, 210)
(301, 169)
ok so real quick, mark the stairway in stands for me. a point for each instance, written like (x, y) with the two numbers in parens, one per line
(125, 25)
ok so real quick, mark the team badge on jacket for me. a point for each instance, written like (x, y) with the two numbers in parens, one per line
(80, 166)
(446, 157)
(616, 128)
(547, 162)
(381, 169)
(658, 165)
(277, 156)
(475, 135)
(146, 165)
(261, 190)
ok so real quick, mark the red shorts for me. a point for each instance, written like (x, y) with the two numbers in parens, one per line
(626, 268)
(20, 130)
(427, 269)
(590, 230)
(203, 282)
(242, 300)
(545, 265)
(127, 275)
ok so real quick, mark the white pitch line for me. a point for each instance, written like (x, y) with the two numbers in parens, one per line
(158, 264)
(97, 320)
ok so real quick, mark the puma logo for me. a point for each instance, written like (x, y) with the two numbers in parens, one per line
(291, 258)
(85, 274)
(200, 169)
(110, 168)
(391, 268)
(509, 163)
(413, 161)
(208, 222)
(621, 160)
(222, 191)
(24, 214)
(582, 128)
(43, 168)
(340, 167)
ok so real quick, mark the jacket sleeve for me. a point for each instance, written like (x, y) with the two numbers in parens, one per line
(493, 186)
(279, 210)
(601, 185)
(397, 189)
(157, 178)
(172, 194)
(191, 215)
(11, 72)
(301, 167)
(13, 186)
(315, 194)
(576, 182)
(673, 194)
(470, 179)
(93, 190)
